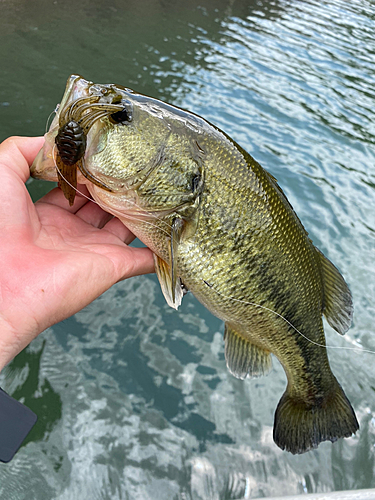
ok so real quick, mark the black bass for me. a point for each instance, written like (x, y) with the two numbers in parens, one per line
(220, 226)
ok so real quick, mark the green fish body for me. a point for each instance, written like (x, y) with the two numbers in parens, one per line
(220, 226)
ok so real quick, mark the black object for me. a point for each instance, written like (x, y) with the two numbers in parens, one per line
(16, 421)
(71, 143)
(121, 117)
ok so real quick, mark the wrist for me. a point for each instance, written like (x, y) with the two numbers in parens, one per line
(12, 341)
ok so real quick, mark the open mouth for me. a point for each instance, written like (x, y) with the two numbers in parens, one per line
(75, 122)
(82, 105)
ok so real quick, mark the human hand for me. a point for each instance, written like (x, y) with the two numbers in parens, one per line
(54, 259)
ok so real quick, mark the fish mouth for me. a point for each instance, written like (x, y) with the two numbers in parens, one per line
(86, 102)
(83, 104)
(43, 166)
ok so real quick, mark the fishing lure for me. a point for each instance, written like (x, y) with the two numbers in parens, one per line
(75, 122)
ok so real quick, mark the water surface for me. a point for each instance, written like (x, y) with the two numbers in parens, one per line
(134, 400)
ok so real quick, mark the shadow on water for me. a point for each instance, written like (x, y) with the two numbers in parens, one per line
(134, 399)
(36, 394)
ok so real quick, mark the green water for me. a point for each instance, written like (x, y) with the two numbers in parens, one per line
(134, 400)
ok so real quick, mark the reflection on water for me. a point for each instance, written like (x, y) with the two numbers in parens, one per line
(134, 400)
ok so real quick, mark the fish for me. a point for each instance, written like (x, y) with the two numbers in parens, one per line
(219, 226)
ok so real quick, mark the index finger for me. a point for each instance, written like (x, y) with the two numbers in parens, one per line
(18, 153)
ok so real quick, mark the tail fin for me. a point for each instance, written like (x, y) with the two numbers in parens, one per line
(300, 427)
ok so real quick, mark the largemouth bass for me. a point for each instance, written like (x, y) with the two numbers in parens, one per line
(220, 226)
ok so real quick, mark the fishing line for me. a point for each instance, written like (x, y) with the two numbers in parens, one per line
(48, 119)
(208, 284)
(114, 212)
(288, 322)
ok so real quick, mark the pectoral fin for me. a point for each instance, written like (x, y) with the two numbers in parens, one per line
(243, 357)
(167, 273)
(170, 287)
(338, 304)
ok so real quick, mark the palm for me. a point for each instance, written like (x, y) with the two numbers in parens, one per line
(56, 258)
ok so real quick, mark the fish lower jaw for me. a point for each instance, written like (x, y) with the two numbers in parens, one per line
(126, 209)
(126, 205)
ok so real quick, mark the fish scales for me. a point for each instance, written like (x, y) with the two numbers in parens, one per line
(220, 226)
(252, 281)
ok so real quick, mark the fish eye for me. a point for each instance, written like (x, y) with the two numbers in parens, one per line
(121, 117)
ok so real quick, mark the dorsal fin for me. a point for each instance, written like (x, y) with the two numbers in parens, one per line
(338, 304)
(243, 357)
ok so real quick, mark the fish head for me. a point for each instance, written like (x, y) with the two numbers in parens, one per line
(146, 152)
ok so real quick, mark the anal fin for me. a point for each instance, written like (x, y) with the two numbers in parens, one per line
(243, 357)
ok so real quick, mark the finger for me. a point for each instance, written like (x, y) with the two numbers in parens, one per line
(141, 262)
(127, 261)
(94, 215)
(18, 153)
(57, 198)
(116, 227)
